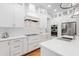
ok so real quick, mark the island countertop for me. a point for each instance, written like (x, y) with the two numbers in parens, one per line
(65, 48)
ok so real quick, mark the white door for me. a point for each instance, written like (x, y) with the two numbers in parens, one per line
(4, 48)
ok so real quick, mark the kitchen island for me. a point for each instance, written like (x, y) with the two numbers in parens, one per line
(57, 47)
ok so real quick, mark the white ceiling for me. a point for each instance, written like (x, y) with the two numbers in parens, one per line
(54, 6)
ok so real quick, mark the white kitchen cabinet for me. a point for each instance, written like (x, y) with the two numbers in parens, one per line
(25, 45)
(22, 45)
(18, 15)
(6, 15)
(16, 46)
(33, 42)
(4, 48)
(11, 15)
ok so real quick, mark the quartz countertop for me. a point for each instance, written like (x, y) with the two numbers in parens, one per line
(65, 48)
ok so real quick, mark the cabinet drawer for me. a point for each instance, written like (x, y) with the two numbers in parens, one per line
(15, 42)
(17, 47)
(33, 40)
(17, 53)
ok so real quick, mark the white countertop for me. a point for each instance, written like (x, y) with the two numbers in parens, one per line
(62, 47)
(14, 37)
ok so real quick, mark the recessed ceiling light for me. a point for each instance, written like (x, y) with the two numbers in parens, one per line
(55, 10)
(49, 5)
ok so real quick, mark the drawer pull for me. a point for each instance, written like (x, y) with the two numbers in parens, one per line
(15, 54)
(16, 46)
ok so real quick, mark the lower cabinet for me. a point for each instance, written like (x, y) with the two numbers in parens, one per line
(25, 45)
(4, 48)
(21, 46)
(33, 43)
(18, 46)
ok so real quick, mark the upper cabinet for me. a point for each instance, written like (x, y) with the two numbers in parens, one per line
(6, 15)
(11, 15)
(19, 15)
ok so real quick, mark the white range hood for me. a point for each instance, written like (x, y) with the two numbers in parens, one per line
(32, 16)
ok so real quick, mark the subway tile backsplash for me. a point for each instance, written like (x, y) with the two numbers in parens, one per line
(12, 31)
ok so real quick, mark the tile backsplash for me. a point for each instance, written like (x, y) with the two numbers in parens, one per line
(16, 31)
(12, 31)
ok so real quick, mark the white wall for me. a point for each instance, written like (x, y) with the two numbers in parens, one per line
(49, 22)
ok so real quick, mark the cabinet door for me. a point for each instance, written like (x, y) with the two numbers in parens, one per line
(16, 47)
(19, 15)
(33, 43)
(4, 48)
(25, 45)
(6, 15)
